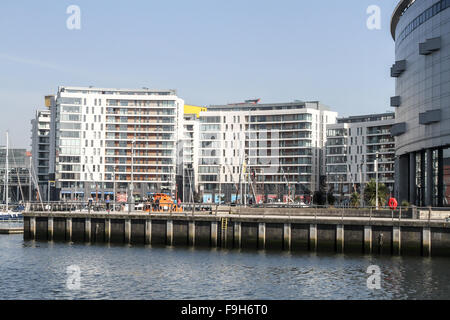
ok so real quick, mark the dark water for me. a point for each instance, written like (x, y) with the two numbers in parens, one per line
(38, 270)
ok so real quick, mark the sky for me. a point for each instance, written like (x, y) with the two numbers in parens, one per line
(210, 51)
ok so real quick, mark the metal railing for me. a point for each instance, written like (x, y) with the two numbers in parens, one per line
(267, 209)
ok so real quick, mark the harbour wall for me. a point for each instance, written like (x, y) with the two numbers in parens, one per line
(278, 233)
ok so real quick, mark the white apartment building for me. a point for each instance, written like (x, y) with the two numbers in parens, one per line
(351, 149)
(263, 152)
(188, 155)
(103, 138)
(40, 146)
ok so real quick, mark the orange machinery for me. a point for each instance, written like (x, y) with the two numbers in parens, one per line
(166, 204)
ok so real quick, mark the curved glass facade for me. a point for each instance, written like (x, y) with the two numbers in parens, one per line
(422, 35)
(422, 18)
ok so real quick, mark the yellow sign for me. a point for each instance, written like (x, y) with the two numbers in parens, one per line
(189, 109)
(48, 101)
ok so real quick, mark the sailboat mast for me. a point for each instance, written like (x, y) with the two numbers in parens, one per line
(7, 170)
(29, 187)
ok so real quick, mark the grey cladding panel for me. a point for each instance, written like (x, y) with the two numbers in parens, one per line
(429, 46)
(398, 129)
(430, 116)
(395, 101)
(398, 68)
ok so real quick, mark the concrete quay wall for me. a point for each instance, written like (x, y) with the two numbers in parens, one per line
(295, 233)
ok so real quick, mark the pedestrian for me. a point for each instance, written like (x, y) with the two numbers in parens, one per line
(107, 203)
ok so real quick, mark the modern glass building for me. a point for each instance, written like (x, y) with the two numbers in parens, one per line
(40, 146)
(105, 139)
(353, 144)
(421, 30)
(267, 152)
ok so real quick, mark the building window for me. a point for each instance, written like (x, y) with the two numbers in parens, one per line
(435, 177)
(446, 177)
(419, 178)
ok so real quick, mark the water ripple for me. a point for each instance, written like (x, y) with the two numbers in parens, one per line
(32, 270)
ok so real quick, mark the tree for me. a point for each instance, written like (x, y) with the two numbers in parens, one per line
(197, 198)
(331, 199)
(370, 193)
(355, 199)
(319, 198)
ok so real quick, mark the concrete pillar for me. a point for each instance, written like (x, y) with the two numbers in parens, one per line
(87, 230)
(412, 178)
(148, 231)
(214, 234)
(169, 233)
(50, 228)
(237, 235)
(396, 240)
(287, 236)
(191, 231)
(401, 178)
(128, 231)
(368, 239)
(108, 230)
(261, 235)
(426, 242)
(313, 237)
(33, 228)
(340, 238)
(69, 229)
(429, 183)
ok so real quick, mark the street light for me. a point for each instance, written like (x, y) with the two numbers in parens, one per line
(361, 183)
(114, 187)
(131, 201)
(220, 184)
(376, 179)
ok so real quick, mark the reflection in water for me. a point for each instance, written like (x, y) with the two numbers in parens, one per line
(37, 270)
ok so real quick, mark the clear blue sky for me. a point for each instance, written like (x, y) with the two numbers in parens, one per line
(210, 51)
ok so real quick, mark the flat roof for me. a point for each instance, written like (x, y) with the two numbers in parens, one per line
(92, 88)
(366, 117)
(402, 6)
(269, 106)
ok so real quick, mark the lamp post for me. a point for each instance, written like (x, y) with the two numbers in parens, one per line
(361, 186)
(131, 201)
(114, 187)
(376, 179)
(220, 184)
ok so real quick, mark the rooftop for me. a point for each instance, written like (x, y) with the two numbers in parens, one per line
(253, 105)
(367, 118)
(402, 6)
(95, 90)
